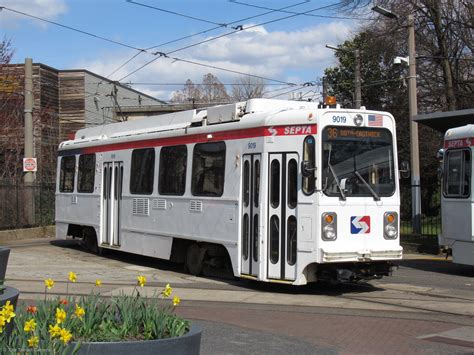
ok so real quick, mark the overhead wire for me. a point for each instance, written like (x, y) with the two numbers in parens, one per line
(140, 50)
(177, 13)
(72, 28)
(206, 31)
(161, 54)
(304, 14)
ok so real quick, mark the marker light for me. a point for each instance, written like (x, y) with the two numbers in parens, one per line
(329, 226)
(390, 217)
(328, 218)
(390, 225)
(330, 100)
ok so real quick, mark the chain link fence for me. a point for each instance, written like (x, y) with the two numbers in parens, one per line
(25, 206)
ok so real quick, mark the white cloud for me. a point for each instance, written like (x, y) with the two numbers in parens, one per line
(293, 56)
(47, 9)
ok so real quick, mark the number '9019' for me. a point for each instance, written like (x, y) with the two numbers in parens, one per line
(339, 119)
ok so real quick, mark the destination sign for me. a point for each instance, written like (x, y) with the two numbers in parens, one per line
(353, 133)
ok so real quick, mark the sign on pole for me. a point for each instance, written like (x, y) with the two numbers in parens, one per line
(29, 165)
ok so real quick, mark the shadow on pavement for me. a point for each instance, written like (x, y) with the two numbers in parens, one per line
(319, 288)
(439, 266)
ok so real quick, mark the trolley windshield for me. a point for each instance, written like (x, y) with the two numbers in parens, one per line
(357, 162)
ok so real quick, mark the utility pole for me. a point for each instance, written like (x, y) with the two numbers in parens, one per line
(413, 111)
(29, 177)
(357, 85)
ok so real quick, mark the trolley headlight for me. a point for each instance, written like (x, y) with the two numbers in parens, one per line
(390, 225)
(329, 226)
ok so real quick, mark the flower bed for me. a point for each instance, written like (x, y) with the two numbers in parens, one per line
(65, 323)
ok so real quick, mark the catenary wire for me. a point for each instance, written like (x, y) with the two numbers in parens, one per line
(205, 31)
(177, 13)
(220, 36)
(304, 14)
(72, 29)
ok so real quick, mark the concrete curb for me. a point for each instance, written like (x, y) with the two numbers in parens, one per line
(27, 233)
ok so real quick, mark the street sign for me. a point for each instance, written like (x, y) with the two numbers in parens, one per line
(29, 165)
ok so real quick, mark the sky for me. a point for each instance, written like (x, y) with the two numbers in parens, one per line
(290, 50)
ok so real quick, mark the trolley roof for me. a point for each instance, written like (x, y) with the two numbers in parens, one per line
(252, 113)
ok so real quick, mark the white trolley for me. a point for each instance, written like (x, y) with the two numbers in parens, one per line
(277, 191)
(457, 200)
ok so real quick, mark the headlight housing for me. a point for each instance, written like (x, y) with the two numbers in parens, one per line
(329, 226)
(390, 225)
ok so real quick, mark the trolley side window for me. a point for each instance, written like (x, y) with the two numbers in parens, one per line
(142, 171)
(208, 169)
(457, 176)
(309, 153)
(86, 173)
(66, 176)
(172, 177)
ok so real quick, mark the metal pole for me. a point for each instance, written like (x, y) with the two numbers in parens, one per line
(413, 110)
(29, 147)
(29, 177)
(357, 84)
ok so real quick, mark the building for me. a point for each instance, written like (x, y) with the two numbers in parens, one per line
(63, 102)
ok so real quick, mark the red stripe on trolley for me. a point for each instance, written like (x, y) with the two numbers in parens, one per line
(459, 143)
(288, 130)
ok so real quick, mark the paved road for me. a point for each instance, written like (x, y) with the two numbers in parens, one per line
(426, 307)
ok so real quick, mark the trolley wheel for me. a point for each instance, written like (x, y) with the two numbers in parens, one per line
(194, 259)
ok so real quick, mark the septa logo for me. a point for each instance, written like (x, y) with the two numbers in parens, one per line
(360, 224)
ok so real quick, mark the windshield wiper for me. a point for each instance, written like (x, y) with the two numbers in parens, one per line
(376, 197)
(343, 196)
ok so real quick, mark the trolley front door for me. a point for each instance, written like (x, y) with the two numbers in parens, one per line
(251, 207)
(282, 222)
(112, 175)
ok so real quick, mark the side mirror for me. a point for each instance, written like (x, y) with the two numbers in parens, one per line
(307, 168)
(405, 169)
(440, 155)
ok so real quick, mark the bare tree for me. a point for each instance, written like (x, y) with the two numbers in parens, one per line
(6, 51)
(210, 91)
(190, 93)
(246, 87)
(213, 91)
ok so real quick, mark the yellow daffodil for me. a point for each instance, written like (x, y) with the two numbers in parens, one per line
(98, 283)
(33, 342)
(54, 331)
(49, 283)
(141, 280)
(72, 277)
(176, 300)
(60, 315)
(7, 312)
(79, 312)
(167, 291)
(7, 307)
(30, 326)
(65, 335)
(2, 323)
